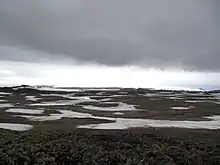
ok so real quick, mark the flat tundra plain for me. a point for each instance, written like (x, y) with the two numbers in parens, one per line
(111, 112)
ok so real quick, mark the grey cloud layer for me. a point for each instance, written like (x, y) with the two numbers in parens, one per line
(152, 33)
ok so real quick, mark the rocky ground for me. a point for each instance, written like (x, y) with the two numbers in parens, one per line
(124, 126)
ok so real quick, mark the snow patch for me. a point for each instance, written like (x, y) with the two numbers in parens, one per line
(16, 127)
(182, 108)
(77, 100)
(5, 105)
(120, 107)
(118, 113)
(124, 123)
(5, 93)
(25, 111)
(32, 98)
(64, 114)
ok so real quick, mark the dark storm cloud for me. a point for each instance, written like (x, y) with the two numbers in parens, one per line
(152, 33)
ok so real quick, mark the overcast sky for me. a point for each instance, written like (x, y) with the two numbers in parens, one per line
(152, 33)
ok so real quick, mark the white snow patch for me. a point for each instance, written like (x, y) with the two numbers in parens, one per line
(215, 117)
(58, 89)
(175, 98)
(182, 108)
(216, 95)
(25, 111)
(118, 113)
(53, 94)
(178, 88)
(72, 114)
(125, 93)
(101, 89)
(90, 97)
(113, 96)
(5, 105)
(41, 118)
(105, 99)
(66, 102)
(64, 114)
(16, 127)
(197, 101)
(193, 94)
(120, 107)
(204, 98)
(110, 102)
(124, 123)
(32, 98)
(152, 95)
(5, 93)
(155, 99)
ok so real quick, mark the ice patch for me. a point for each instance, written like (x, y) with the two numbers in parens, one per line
(16, 127)
(25, 111)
